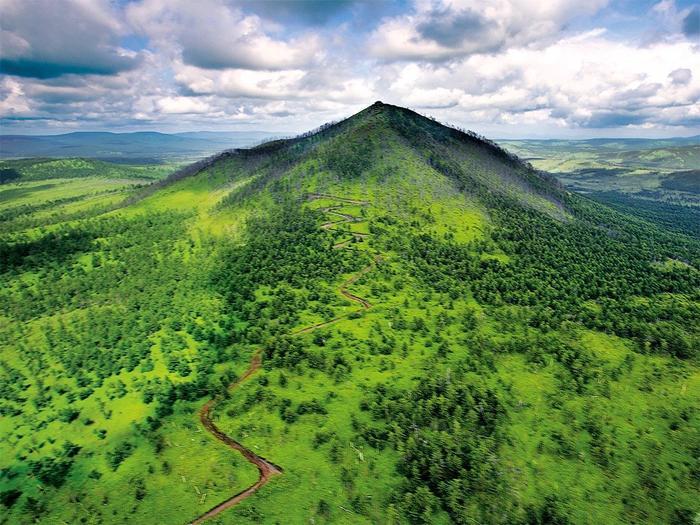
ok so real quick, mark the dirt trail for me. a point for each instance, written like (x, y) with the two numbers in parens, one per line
(266, 469)
(316, 196)
(345, 218)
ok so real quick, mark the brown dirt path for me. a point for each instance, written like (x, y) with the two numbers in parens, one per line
(267, 470)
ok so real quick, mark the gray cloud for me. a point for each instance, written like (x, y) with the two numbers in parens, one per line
(213, 54)
(611, 119)
(50, 39)
(48, 68)
(635, 97)
(451, 29)
(244, 52)
(680, 76)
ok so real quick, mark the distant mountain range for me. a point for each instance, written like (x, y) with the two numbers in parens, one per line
(153, 147)
(146, 146)
(603, 143)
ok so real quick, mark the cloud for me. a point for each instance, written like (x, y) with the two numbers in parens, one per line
(584, 81)
(451, 29)
(681, 76)
(612, 119)
(50, 39)
(232, 83)
(312, 12)
(183, 105)
(213, 35)
(513, 67)
(446, 30)
(331, 83)
(671, 21)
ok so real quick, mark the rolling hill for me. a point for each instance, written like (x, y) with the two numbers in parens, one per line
(385, 320)
(134, 148)
(641, 168)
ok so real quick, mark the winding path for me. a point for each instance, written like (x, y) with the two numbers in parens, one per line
(267, 469)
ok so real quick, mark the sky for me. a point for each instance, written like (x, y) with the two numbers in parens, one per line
(504, 68)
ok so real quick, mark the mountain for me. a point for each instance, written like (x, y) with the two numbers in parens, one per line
(126, 146)
(370, 138)
(385, 320)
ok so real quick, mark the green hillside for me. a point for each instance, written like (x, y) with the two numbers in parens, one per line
(389, 320)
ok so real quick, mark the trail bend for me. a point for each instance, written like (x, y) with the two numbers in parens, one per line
(266, 469)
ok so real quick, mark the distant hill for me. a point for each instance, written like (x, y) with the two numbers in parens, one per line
(38, 168)
(626, 166)
(606, 143)
(127, 147)
(627, 154)
(228, 136)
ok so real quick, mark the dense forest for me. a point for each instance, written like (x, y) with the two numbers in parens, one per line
(670, 216)
(446, 335)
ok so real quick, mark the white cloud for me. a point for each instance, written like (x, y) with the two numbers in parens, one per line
(239, 82)
(586, 80)
(213, 35)
(449, 29)
(181, 105)
(13, 102)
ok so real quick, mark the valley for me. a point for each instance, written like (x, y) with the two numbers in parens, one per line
(655, 179)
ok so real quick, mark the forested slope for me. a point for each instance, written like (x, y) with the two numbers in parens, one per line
(522, 354)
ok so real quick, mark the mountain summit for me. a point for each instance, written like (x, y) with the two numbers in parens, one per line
(385, 140)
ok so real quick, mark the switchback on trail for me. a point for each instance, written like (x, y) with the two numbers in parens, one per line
(266, 469)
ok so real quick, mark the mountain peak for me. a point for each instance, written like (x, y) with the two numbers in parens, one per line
(383, 137)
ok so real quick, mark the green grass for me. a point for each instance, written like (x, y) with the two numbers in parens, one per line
(596, 428)
(39, 192)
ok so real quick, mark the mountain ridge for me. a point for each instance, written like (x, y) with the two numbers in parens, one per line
(444, 149)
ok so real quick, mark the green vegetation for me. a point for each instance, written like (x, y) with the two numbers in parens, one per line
(660, 170)
(675, 217)
(42, 192)
(42, 169)
(688, 181)
(526, 355)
